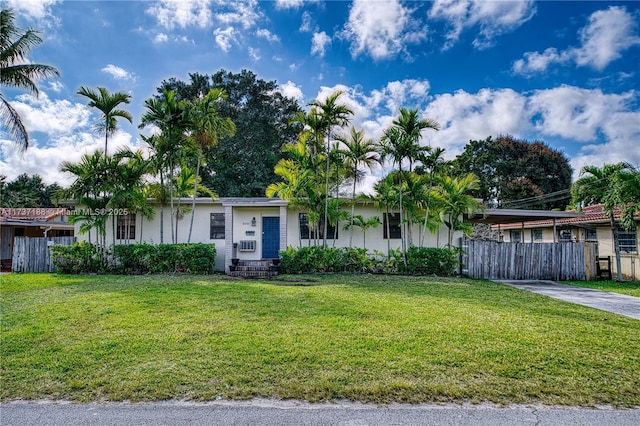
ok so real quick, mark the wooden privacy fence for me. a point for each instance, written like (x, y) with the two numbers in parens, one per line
(33, 255)
(529, 261)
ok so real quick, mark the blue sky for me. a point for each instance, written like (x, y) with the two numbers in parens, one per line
(566, 73)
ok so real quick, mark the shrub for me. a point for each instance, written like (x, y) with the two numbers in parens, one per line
(78, 258)
(135, 258)
(430, 261)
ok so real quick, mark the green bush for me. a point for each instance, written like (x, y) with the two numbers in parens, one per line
(430, 261)
(78, 258)
(135, 258)
(420, 261)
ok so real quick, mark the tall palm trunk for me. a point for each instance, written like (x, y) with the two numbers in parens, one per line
(616, 247)
(195, 192)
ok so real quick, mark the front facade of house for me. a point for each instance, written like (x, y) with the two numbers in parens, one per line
(594, 225)
(256, 228)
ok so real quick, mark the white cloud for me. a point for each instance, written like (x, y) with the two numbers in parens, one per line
(289, 4)
(56, 86)
(608, 33)
(32, 9)
(245, 13)
(60, 131)
(319, 42)
(161, 38)
(118, 73)
(182, 14)
(306, 26)
(493, 17)
(268, 35)
(225, 37)
(291, 90)
(254, 53)
(381, 29)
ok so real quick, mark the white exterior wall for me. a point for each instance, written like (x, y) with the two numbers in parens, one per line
(241, 226)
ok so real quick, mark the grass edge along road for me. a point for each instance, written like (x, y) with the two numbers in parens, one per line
(365, 338)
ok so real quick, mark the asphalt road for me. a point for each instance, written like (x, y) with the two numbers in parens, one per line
(285, 413)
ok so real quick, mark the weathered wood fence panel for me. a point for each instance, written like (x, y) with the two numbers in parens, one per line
(529, 261)
(33, 255)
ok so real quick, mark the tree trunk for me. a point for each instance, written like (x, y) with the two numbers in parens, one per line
(195, 192)
(616, 247)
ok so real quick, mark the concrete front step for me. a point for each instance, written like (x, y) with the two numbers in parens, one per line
(253, 269)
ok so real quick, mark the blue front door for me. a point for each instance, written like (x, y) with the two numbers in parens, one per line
(270, 237)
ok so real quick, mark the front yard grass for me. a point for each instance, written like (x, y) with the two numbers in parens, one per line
(323, 337)
(631, 288)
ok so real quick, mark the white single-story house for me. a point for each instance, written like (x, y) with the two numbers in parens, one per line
(591, 225)
(258, 228)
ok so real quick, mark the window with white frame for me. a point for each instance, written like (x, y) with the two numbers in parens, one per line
(307, 233)
(536, 235)
(126, 227)
(393, 225)
(216, 228)
(565, 235)
(515, 236)
(590, 234)
(628, 240)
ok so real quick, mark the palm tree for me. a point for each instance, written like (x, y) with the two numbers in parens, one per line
(332, 115)
(401, 142)
(386, 197)
(108, 104)
(357, 152)
(167, 114)
(364, 224)
(18, 72)
(206, 127)
(454, 199)
(601, 185)
(432, 162)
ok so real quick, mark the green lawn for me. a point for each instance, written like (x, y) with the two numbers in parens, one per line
(366, 338)
(631, 288)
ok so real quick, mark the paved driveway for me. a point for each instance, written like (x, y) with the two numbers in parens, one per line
(612, 302)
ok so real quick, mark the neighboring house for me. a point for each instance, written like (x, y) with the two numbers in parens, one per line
(257, 228)
(30, 222)
(593, 225)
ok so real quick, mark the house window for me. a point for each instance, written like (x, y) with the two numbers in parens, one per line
(536, 235)
(515, 236)
(216, 228)
(565, 235)
(126, 227)
(590, 235)
(628, 240)
(306, 233)
(393, 226)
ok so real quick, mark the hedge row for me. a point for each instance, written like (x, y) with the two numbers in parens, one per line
(84, 257)
(419, 261)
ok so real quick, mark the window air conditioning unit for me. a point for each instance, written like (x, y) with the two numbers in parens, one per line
(247, 245)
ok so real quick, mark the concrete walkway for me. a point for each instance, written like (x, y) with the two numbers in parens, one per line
(611, 302)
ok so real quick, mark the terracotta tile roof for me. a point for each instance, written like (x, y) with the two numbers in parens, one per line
(592, 214)
(31, 214)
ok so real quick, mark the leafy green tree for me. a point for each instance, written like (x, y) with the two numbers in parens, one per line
(107, 104)
(243, 165)
(454, 199)
(615, 186)
(17, 71)
(400, 142)
(516, 173)
(357, 152)
(28, 191)
(433, 165)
